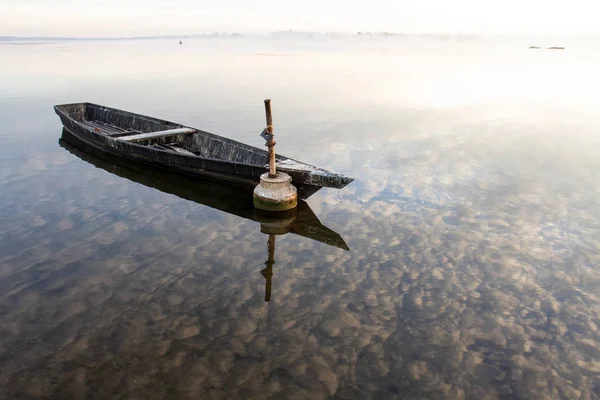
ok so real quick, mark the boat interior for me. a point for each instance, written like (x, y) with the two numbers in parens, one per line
(163, 135)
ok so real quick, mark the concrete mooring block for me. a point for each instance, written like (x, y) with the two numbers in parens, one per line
(275, 194)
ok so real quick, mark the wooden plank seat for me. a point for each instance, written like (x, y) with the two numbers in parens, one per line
(155, 135)
(125, 133)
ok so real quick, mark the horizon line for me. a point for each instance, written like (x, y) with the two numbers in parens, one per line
(255, 34)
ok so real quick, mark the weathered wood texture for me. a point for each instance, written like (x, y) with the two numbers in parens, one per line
(105, 128)
(204, 153)
(156, 135)
(271, 143)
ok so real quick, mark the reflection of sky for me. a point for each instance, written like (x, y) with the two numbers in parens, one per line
(473, 226)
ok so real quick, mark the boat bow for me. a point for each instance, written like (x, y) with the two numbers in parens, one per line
(311, 175)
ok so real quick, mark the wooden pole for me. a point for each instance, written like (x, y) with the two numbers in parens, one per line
(271, 143)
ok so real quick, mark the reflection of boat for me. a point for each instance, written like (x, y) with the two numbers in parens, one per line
(183, 149)
(221, 196)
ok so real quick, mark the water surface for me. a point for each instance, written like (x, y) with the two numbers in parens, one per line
(473, 225)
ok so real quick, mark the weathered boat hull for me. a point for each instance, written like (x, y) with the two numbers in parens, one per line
(216, 157)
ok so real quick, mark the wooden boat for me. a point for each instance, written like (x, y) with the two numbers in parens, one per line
(183, 149)
(224, 197)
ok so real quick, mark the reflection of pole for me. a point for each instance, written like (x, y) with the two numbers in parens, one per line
(268, 272)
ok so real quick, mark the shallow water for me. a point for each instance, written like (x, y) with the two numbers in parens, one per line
(473, 225)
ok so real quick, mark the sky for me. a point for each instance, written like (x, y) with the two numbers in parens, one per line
(113, 18)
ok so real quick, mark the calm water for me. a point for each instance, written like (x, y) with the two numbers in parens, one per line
(473, 225)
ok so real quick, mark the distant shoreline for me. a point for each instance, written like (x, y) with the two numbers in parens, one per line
(307, 35)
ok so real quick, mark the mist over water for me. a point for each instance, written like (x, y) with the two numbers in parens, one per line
(473, 224)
